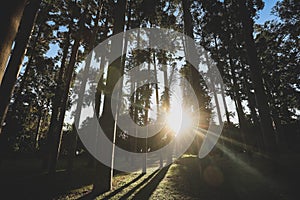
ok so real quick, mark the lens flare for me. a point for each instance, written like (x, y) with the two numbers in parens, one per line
(179, 120)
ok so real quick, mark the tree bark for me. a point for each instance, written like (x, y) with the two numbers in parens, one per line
(15, 63)
(10, 14)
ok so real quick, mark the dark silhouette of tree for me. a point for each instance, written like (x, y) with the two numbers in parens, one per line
(17, 56)
(103, 177)
(11, 15)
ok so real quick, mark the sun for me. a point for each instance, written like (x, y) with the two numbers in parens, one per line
(179, 120)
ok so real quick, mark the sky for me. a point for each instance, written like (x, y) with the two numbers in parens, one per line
(265, 14)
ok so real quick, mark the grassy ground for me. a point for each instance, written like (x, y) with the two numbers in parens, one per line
(227, 177)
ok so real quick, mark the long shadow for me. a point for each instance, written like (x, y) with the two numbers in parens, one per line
(113, 193)
(138, 185)
(146, 191)
(91, 195)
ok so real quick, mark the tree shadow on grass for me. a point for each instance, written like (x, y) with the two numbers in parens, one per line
(113, 193)
(128, 194)
(123, 187)
(146, 191)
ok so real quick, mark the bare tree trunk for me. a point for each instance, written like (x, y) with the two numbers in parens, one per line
(193, 74)
(256, 76)
(225, 104)
(238, 103)
(103, 176)
(10, 16)
(100, 83)
(161, 162)
(222, 86)
(57, 100)
(100, 87)
(14, 65)
(28, 67)
(166, 106)
(146, 121)
(55, 130)
(37, 130)
(252, 106)
(74, 137)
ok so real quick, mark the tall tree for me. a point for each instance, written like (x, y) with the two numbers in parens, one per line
(256, 77)
(103, 177)
(10, 16)
(16, 59)
(55, 129)
(78, 110)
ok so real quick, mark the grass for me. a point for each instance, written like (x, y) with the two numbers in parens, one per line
(217, 177)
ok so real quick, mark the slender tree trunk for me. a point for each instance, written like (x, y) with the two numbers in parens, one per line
(101, 81)
(55, 131)
(28, 67)
(274, 114)
(37, 130)
(166, 105)
(57, 101)
(100, 87)
(10, 16)
(146, 121)
(74, 137)
(229, 124)
(103, 176)
(238, 103)
(161, 161)
(193, 74)
(225, 104)
(222, 86)
(14, 65)
(256, 76)
(252, 106)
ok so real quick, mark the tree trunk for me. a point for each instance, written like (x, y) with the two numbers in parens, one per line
(193, 75)
(238, 104)
(103, 176)
(10, 14)
(146, 120)
(74, 136)
(256, 76)
(222, 85)
(225, 104)
(101, 80)
(57, 100)
(161, 161)
(252, 106)
(55, 131)
(14, 65)
(37, 130)
(28, 67)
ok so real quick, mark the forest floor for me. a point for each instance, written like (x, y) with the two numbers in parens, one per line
(216, 177)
